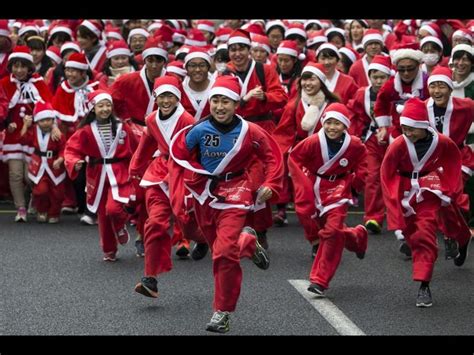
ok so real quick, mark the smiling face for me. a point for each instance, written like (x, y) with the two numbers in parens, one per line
(333, 128)
(311, 85)
(223, 108)
(46, 124)
(414, 134)
(75, 77)
(119, 61)
(198, 70)
(440, 93)
(408, 69)
(166, 102)
(103, 109)
(239, 55)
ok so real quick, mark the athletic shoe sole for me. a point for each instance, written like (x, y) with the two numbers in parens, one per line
(183, 252)
(260, 257)
(145, 291)
(218, 329)
(316, 291)
(424, 305)
(373, 227)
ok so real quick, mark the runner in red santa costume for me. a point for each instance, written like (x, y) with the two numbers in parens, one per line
(217, 153)
(325, 167)
(420, 173)
(452, 116)
(45, 170)
(363, 125)
(107, 145)
(162, 125)
(262, 94)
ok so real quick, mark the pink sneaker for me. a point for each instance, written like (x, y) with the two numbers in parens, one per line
(123, 236)
(21, 215)
(110, 256)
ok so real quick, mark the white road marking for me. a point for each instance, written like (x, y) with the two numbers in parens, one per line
(328, 310)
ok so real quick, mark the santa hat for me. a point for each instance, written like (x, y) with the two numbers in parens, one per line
(290, 47)
(259, 41)
(443, 74)
(462, 47)
(77, 61)
(96, 96)
(113, 32)
(195, 38)
(372, 35)
(179, 36)
(296, 28)
(183, 49)
(167, 84)
(340, 31)
(21, 52)
(174, 23)
(431, 39)
(70, 45)
(270, 24)
(165, 34)
(197, 52)
(176, 67)
(226, 85)
(28, 26)
(43, 110)
(206, 25)
(254, 29)
(316, 37)
(61, 29)
(154, 46)
(328, 46)
(462, 33)
(4, 30)
(137, 32)
(381, 63)
(94, 26)
(352, 54)
(338, 111)
(312, 22)
(432, 28)
(54, 54)
(222, 34)
(239, 36)
(118, 48)
(154, 26)
(316, 69)
(406, 51)
(415, 114)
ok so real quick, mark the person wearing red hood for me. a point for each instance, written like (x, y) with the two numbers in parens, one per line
(420, 173)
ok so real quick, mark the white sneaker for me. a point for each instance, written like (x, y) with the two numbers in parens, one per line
(69, 210)
(53, 220)
(42, 217)
(88, 220)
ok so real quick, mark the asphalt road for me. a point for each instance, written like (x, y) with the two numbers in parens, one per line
(54, 282)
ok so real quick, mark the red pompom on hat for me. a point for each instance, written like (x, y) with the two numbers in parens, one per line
(372, 35)
(54, 54)
(43, 110)
(259, 41)
(351, 53)
(226, 85)
(197, 52)
(77, 61)
(296, 28)
(443, 74)
(290, 47)
(239, 36)
(381, 63)
(415, 114)
(22, 52)
(316, 69)
(195, 38)
(167, 84)
(206, 25)
(96, 96)
(118, 48)
(154, 46)
(338, 111)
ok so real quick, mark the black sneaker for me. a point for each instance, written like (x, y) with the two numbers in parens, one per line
(260, 257)
(148, 286)
(461, 258)
(451, 249)
(424, 297)
(219, 322)
(314, 250)
(317, 289)
(262, 239)
(199, 251)
(139, 248)
(405, 249)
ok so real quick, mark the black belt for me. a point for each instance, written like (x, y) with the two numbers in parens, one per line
(413, 174)
(93, 161)
(138, 122)
(260, 118)
(227, 176)
(331, 177)
(48, 154)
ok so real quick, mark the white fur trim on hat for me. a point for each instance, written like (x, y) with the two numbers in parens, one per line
(238, 39)
(414, 123)
(380, 67)
(328, 46)
(295, 31)
(224, 91)
(45, 114)
(462, 34)
(25, 29)
(56, 58)
(193, 42)
(155, 51)
(70, 45)
(371, 38)
(338, 116)
(4, 33)
(261, 45)
(431, 39)
(205, 27)
(176, 70)
(335, 29)
(288, 51)
(113, 34)
(137, 31)
(462, 47)
(348, 53)
(76, 65)
(273, 23)
(167, 88)
(310, 69)
(91, 27)
(119, 51)
(315, 40)
(193, 55)
(98, 98)
(443, 78)
(406, 53)
(154, 26)
(61, 29)
(21, 55)
(429, 29)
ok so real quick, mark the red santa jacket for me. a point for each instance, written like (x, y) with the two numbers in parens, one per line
(46, 151)
(196, 110)
(405, 179)
(21, 103)
(71, 105)
(3, 65)
(320, 183)
(391, 100)
(288, 131)
(359, 71)
(362, 109)
(343, 85)
(458, 118)
(132, 96)
(86, 144)
(238, 192)
(98, 61)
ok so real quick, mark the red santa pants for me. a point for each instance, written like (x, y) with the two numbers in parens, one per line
(69, 193)
(111, 218)
(262, 219)
(222, 230)
(374, 206)
(286, 194)
(453, 225)
(334, 236)
(48, 197)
